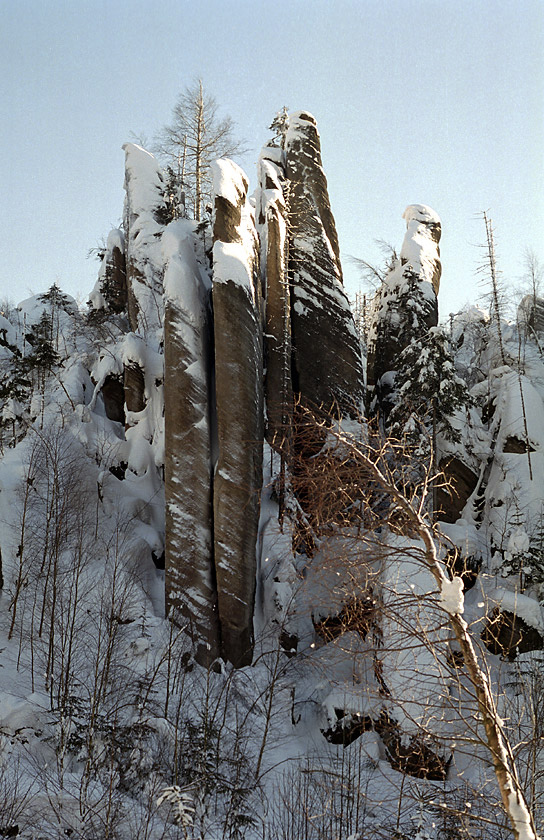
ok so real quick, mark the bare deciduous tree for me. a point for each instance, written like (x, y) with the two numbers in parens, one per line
(364, 482)
(194, 138)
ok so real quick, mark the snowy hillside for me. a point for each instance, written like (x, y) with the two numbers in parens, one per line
(255, 585)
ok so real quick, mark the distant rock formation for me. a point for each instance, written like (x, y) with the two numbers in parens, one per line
(406, 301)
(238, 339)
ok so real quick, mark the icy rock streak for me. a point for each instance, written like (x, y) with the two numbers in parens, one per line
(327, 367)
(239, 408)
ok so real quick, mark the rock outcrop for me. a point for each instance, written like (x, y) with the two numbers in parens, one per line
(113, 279)
(453, 494)
(113, 394)
(134, 386)
(508, 635)
(531, 313)
(407, 295)
(144, 205)
(238, 339)
(274, 256)
(190, 576)
(326, 362)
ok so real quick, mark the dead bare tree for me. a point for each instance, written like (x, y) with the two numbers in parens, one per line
(362, 481)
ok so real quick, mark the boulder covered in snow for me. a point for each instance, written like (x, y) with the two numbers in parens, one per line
(238, 341)
(326, 361)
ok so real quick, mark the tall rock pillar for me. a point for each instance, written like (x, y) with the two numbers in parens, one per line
(190, 575)
(408, 293)
(238, 338)
(327, 368)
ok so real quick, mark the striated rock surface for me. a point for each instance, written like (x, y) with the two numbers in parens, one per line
(326, 365)
(274, 256)
(134, 385)
(190, 576)
(239, 406)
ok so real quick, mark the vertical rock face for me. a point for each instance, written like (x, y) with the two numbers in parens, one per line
(113, 394)
(142, 352)
(531, 313)
(190, 577)
(274, 255)
(239, 407)
(110, 291)
(408, 293)
(134, 385)
(114, 280)
(327, 367)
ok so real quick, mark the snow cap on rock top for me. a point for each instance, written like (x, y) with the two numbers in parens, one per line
(420, 246)
(229, 181)
(421, 213)
(143, 178)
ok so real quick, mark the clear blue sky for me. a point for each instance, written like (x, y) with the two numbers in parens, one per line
(417, 101)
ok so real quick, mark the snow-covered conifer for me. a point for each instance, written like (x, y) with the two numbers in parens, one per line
(428, 391)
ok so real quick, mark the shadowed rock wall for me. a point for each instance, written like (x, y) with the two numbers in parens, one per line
(274, 256)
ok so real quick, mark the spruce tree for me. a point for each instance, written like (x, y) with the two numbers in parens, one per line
(427, 390)
(405, 314)
(43, 357)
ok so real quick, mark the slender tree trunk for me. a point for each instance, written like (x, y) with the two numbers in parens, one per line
(512, 794)
(198, 154)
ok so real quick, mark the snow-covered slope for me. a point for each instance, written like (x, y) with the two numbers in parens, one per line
(207, 634)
